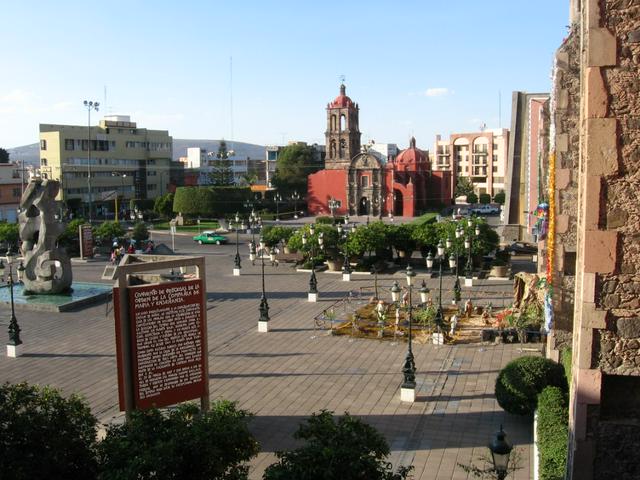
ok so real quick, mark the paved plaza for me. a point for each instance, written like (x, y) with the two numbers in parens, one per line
(294, 370)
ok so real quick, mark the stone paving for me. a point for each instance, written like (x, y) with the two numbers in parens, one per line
(294, 370)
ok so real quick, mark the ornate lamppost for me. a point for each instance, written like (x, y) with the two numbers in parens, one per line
(14, 344)
(313, 282)
(343, 235)
(500, 450)
(457, 291)
(333, 204)
(439, 320)
(295, 197)
(263, 321)
(236, 260)
(89, 105)
(277, 198)
(408, 388)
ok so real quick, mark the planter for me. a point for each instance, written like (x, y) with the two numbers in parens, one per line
(499, 271)
(335, 265)
(286, 250)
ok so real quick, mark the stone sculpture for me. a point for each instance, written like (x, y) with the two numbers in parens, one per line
(47, 267)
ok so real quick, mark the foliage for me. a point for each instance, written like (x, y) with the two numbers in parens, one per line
(210, 201)
(472, 198)
(9, 233)
(163, 205)
(401, 236)
(140, 232)
(499, 197)
(425, 316)
(106, 230)
(502, 258)
(70, 238)
(464, 187)
(185, 201)
(4, 156)
(425, 236)
(222, 171)
(346, 449)
(521, 380)
(295, 162)
(368, 238)
(553, 433)
(485, 198)
(330, 241)
(45, 435)
(324, 220)
(272, 234)
(425, 218)
(184, 443)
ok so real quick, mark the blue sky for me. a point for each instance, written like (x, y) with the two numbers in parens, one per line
(415, 67)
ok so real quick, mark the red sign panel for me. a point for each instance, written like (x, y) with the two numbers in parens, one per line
(167, 337)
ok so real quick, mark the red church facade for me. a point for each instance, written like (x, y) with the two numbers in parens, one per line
(364, 183)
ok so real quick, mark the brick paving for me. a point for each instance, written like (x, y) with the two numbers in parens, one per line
(285, 375)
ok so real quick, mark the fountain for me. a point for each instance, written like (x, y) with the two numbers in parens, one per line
(46, 282)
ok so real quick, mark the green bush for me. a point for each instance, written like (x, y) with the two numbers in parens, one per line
(325, 220)
(521, 380)
(499, 197)
(553, 433)
(272, 234)
(566, 359)
(184, 443)
(472, 198)
(43, 435)
(9, 233)
(140, 232)
(485, 198)
(107, 231)
(346, 449)
(401, 236)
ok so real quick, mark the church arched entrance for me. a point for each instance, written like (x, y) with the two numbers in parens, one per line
(398, 203)
(363, 206)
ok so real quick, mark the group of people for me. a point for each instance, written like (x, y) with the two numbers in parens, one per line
(118, 251)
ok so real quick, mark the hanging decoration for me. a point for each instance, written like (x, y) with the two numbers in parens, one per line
(551, 235)
(542, 222)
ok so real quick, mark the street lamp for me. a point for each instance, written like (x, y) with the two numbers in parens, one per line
(343, 235)
(236, 260)
(295, 197)
(122, 177)
(500, 450)
(13, 346)
(439, 320)
(333, 204)
(89, 105)
(423, 292)
(277, 198)
(313, 282)
(408, 388)
(468, 242)
(263, 321)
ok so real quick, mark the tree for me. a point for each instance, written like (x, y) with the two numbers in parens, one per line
(45, 435)
(183, 443)
(464, 187)
(485, 198)
(185, 200)
(222, 174)
(472, 198)
(499, 197)
(140, 232)
(346, 449)
(294, 164)
(107, 231)
(163, 205)
(9, 233)
(4, 156)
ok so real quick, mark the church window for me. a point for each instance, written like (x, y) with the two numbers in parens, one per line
(333, 122)
(343, 123)
(333, 149)
(364, 181)
(343, 146)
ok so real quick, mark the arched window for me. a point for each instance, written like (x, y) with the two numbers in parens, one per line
(343, 123)
(333, 149)
(343, 146)
(333, 122)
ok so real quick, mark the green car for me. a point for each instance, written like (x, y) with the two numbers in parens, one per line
(210, 237)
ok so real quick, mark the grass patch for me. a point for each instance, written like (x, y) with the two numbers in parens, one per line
(209, 225)
(425, 218)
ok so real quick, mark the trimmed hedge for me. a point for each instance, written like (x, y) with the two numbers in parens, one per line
(565, 359)
(553, 433)
(521, 380)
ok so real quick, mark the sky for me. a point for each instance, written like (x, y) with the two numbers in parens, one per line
(263, 71)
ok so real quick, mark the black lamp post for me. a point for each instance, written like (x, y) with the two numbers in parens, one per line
(295, 197)
(333, 204)
(263, 321)
(457, 291)
(439, 320)
(408, 388)
(89, 105)
(236, 259)
(500, 452)
(13, 345)
(468, 242)
(313, 282)
(423, 292)
(343, 234)
(277, 198)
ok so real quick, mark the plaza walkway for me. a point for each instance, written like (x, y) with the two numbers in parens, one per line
(285, 375)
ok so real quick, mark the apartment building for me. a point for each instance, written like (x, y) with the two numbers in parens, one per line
(12, 177)
(479, 156)
(97, 164)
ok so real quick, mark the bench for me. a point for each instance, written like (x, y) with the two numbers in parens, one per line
(289, 257)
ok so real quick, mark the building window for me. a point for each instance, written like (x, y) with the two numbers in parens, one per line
(43, 162)
(43, 144)
(68, 144)
(495, 169)
(364, 181)
(495, 146)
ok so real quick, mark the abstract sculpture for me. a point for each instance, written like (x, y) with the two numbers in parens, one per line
(47, 267)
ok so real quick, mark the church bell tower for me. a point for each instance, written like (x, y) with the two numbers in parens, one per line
(343, 133)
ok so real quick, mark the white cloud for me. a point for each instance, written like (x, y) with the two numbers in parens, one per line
(437, 92)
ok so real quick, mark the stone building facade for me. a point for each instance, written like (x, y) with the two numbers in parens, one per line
(596, 113)
(360, 181)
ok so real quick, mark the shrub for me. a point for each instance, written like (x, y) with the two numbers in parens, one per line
(472, 198)
(107, 231)
(9, 234)
(45, 435)
(184, 443)
(401, 236)
(521, 380)
(345, 449)
(324, 220)
(553, 433)
(566, 359)
(140, 232)
(499, 197)
(485, 198)
(272, 234)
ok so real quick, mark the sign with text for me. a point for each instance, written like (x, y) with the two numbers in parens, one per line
(167, 343)
(86, 241)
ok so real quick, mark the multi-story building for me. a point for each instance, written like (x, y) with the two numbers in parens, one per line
(12, 177)
(100, 163)
(480, 156)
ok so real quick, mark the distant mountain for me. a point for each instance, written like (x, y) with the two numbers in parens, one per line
(31, 153)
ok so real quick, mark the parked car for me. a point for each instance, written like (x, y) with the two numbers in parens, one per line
(486, 210)
(210, 237)
(523, 248)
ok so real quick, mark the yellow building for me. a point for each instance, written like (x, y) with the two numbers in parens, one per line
(124, 162)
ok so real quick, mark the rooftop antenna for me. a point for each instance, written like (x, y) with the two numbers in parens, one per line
(342, 78)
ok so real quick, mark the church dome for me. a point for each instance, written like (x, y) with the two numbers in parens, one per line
(342, 101)
(412, 154)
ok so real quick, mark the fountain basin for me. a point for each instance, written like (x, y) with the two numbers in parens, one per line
(82, 295)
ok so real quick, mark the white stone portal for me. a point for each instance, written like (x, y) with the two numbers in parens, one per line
(236, 272)
(346, 277)
(468, 282)
(14, 351)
